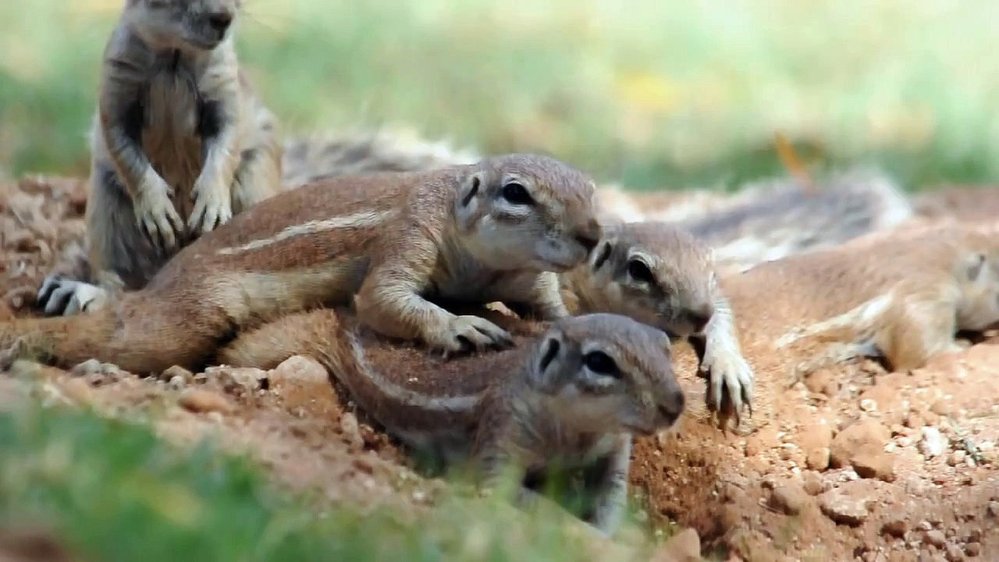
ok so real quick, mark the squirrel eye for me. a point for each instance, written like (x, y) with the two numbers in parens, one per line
(640, 272)
(601, 364)
(517, 194)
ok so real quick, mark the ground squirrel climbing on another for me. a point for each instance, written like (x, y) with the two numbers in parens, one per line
(389, 243)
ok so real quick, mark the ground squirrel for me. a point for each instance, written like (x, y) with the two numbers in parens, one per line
(350, 153)
(569, 397)
(661, 275)
(901, 295)
(179, 144)
(494, 231)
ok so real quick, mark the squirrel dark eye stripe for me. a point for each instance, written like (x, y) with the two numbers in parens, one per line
(602, 255)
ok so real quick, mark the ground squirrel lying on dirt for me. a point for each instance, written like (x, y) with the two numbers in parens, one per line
(901, 295)
(571, 397)
(662, 276)
(312, 158)
(180, 143)
(494, 231)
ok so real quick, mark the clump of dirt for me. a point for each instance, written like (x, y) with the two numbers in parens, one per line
(851, 463)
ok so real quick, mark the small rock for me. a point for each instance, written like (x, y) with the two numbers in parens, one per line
(895, 527)
(842, 508)
(684, 546)
(956, 458)
(868, 405)
(933, 444)
(818, 459)
(942, 408)
(177, 371)
(87, 368)
(874, 465)
(177, 382)
(935, 538)
(954, 553)
(993, 509)
(233, 378)
(812, 483)
(973, 549)
(198, 400)
(298, 369)
(867, 435)
(351, 431)
(789, 498)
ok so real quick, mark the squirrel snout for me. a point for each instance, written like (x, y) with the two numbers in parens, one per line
(588, 235)
(671, 405)
(699, 318)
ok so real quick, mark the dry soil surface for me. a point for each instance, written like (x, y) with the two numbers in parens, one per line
(853, 463)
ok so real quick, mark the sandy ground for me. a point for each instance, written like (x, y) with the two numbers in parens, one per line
(853, 463)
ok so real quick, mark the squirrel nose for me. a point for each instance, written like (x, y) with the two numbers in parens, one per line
(672, 406)
(699, 318)
(220, 21)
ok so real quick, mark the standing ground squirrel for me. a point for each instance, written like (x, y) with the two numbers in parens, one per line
(494, 231)
(179, 144)
(661, 275)
(571, 398)
(901, 295)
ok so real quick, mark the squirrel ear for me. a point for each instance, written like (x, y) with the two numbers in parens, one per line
(543, 358)
(601, 254)
(976, 263)
(469, 189)
(467, 204)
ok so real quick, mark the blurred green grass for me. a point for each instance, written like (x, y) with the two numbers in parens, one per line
(645, 92)
(110, 490)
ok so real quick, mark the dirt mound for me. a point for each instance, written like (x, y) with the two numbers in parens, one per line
(853, 463)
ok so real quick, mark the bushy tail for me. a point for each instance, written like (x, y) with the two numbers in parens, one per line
(309, 159)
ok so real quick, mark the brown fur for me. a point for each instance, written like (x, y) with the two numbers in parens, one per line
(180, 143)
(529, 408)
(394, 240)
(903, 294)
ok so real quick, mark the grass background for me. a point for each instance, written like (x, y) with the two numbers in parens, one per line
(648, 93)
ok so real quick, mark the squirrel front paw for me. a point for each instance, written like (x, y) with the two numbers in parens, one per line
(156, 215)
(730, 381)
(464, 332)
(212, 208)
